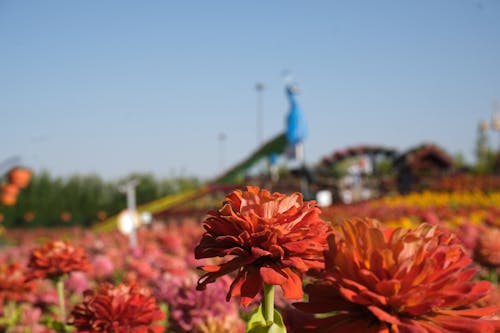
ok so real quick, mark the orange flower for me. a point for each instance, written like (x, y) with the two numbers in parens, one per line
(13, 285)
(121, 309)
(399, 281)
(266, 238)
(56, 258)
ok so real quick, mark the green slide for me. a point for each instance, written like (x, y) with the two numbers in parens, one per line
(236, 174)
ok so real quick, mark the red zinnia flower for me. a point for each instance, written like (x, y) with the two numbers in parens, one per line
(121, 309)
(56, 258)
(13, 285)
(267, 238)
(399, 281)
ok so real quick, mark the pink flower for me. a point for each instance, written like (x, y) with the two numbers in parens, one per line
(77, 282)
(103, 267)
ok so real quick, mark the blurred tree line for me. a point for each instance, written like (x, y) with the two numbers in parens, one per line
(83, 199)
(487, 159)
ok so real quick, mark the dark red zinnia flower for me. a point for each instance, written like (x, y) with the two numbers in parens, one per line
(126, 308)
(400, 281)
(56, 258)
(264, 238)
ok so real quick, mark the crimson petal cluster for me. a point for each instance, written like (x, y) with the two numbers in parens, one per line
(13, 284)
(125, 308)
(56, 258)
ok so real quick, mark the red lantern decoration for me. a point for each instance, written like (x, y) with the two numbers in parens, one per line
(8, 194)
(7, 200)
(10, 189)
(19, 176)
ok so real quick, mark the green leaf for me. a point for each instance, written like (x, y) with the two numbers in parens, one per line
(57, 325)
(258, 324)
(11, 314)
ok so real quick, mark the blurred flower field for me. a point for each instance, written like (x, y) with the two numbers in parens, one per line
(424, 262)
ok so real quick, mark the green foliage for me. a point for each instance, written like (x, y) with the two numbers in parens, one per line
(258, 324)
(57, 325)
(384, 166)
(340, 169)
(459, 161)
(11, 314)
(82, 197)
(485, 155)
(485, 163)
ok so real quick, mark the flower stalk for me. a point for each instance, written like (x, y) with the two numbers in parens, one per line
(268, 303)
(60, 296)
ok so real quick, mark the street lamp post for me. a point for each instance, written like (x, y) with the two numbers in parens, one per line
(222, 139)
(260, 127)
(495, 121)
(129, 189)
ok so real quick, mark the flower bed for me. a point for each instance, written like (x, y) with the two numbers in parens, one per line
(419, 263)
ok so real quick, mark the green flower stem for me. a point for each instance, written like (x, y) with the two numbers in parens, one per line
(60, 295)
(268, 303)
(493, 276)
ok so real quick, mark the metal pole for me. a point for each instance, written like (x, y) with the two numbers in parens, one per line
(129, 190)
(222, 139)
(495, 121)
(260, 127)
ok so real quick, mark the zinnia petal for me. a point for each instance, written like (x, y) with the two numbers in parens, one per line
(271, 276)
(292, 287)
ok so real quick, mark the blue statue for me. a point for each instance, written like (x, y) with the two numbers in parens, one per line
(296, 130)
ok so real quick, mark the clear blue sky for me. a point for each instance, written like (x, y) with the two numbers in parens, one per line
(112, 87)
